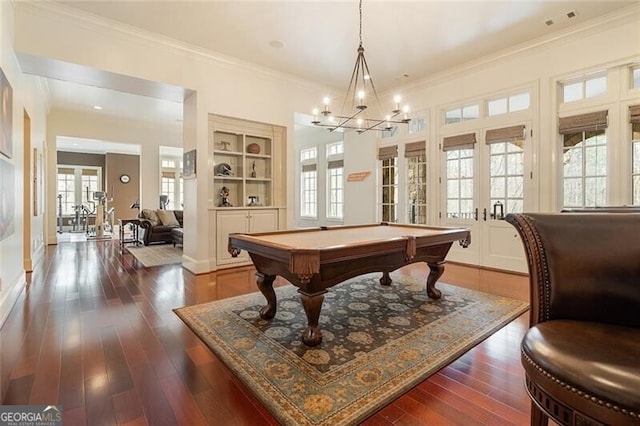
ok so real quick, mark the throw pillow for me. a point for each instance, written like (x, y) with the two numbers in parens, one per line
(151, 216)
(167, 218)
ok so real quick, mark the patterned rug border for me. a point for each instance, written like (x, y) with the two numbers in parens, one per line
(285, 411)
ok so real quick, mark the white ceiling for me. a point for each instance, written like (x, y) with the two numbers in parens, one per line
(404, 41)
(320, 38)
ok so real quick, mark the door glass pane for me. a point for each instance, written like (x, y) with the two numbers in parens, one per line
(417, 189)
(506, 181)
(497, 187)
(460, 204)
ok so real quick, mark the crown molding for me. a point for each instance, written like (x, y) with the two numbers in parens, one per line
(629, 13)
(68, 15)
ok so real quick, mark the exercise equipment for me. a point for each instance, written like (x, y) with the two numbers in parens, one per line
(102, 228)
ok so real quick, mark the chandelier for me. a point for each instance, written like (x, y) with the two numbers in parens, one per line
(360, 89)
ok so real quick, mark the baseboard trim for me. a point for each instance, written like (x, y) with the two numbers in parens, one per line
(197, 267)
(488, 268)
(7, 304)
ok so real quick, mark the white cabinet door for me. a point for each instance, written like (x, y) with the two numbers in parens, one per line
(228, 222)
(243, 221)
(263, 220)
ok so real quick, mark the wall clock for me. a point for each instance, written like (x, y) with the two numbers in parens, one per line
(125, 178)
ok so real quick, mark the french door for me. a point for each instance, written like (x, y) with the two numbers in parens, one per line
(486, 174)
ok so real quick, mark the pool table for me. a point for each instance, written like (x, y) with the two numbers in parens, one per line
(314, 259)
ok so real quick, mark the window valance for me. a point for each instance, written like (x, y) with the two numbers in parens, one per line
(505, 134)
(583, 123)
(452, 143)
(387, 152)
(415, 149)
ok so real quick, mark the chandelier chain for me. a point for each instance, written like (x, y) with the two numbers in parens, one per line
(360, 8)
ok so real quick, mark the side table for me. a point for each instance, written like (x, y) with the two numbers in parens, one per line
(135, 238)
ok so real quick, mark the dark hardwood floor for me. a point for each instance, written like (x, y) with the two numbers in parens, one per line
(95, 332)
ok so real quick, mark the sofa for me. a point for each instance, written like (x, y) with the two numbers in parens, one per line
(157, 225)
(581, 354)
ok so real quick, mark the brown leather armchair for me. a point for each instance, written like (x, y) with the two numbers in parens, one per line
(582, 353)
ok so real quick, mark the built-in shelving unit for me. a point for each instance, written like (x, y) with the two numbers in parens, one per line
(248, 182)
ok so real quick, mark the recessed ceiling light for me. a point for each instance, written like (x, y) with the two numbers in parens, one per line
(276, 44)
(97, 107)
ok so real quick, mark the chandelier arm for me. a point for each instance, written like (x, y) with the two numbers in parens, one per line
(353, 81)
(346, 119)
(373, 86)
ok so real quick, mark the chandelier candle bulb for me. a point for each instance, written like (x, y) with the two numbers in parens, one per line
(325, 110)
(315, 116)
(361, 104)
(397, 100)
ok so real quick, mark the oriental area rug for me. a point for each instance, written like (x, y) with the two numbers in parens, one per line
(157, 255)
(378, 342)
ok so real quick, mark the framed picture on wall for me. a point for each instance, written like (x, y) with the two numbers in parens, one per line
(189, 164)
(7, 199)
(6, 116)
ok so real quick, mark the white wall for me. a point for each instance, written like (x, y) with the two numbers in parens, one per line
(27, 96)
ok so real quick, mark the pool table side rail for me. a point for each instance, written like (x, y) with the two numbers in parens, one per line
(304, 262)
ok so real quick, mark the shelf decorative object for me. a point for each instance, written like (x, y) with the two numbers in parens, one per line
(224, 197)
(253, 148)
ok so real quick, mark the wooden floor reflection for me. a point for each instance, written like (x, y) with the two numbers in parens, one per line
(95, 332)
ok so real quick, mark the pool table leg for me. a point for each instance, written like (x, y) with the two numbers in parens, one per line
(385, 279)
(312, 304)
(265, 284)
(436, 269)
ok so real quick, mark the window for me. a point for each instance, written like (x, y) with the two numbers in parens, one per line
(390, 190)
(459, 114)
(585, 169)
(335, 148)
(89, 184)
(584, 151)
(459, 152)
(417, 125)
(506, 170)
(335, 189)
(635, 75)
(309, 182)
(76, 185)
(388, 183)
(586, 88)
(66, 189)
(512, 103)
(390, 133)
(415, 154)
(171, 182)
(308, 154)
(335, 180)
